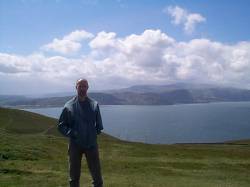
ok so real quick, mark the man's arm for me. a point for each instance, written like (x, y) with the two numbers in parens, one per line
(64, 123)
(99, 125)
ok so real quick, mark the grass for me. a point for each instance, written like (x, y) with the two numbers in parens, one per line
(32, 153)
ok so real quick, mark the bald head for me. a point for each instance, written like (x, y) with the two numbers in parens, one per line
(82, 88)
(81, 81)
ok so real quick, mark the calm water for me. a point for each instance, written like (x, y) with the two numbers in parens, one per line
(196, 123)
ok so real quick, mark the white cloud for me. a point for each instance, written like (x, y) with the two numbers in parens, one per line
(104, 41)
(137, 50)
(62, 46)
(77, 36)
(178, 14)
(240, 57)
(69, 44)
(12, 64)
(151, 57)
(191, 22)
(182, 17)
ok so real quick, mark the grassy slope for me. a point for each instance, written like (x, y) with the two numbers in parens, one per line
(32, 153)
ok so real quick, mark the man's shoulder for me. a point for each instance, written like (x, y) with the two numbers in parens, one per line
(70, 102)
(91, 100)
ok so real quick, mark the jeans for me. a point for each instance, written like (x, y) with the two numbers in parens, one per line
(75, 153)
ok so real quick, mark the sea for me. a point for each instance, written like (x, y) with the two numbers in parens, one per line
(170, 124)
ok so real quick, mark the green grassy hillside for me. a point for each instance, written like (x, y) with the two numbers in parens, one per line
(32, 153)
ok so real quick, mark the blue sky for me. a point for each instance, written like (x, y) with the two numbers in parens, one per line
(28, 24)
(28, 29)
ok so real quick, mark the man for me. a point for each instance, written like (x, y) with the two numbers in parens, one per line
(81, 122)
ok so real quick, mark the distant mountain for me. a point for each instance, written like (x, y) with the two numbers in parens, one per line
(56, 94)
(102, 98)
(161, 88)
(5, 99)
(146, 95)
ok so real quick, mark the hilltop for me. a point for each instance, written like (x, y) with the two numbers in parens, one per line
(33, 153)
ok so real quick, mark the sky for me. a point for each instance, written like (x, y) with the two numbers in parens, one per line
(46, 45)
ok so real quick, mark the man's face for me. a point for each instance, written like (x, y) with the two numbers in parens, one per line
(82, 88)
